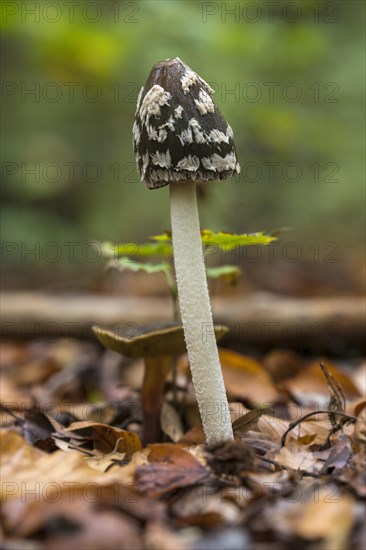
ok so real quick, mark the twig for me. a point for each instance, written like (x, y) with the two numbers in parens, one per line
(9, 411)
(297, 422)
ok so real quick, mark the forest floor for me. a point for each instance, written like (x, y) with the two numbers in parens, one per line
(79, 470)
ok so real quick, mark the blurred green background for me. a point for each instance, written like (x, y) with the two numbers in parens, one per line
(289, 78)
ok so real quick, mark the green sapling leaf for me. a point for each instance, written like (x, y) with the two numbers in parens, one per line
(133, 250)
(125, 263)
(229, 241)
(228, 273)
(224, 240)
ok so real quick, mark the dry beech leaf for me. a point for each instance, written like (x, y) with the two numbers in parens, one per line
(297, 457)
(126, 473)
(354, 406)
(36, 371)
(104, 438)
(82, 525)
(104, 462)
(22, 464)
(158, 479)
(233, 458)
(12, 354)
(246, 378)
(359, 407)
(170, 467)
(359, 433)
(329, 518)
(310, 386)
(195, 436)
(316, 512)
(38, 429)
(359, 378)
(204, 507)
(259, 442)
(264, 483)
(306, 439)
(274, 428)
(282, 364)
(339, 456)
(169, 452)
(171, 423)
(248, 422)
(158, 536)
(12, 397)
(337, 401)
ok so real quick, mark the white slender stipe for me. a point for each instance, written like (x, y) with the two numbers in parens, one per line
(196, 314)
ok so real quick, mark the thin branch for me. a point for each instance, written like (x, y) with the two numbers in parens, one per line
(297, 422)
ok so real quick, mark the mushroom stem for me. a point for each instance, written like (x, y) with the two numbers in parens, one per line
(152, 396)
(196, 314)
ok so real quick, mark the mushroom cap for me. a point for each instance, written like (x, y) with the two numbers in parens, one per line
(179, 134)
(156, 341)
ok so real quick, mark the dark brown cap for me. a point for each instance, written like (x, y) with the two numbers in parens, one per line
(179, 133)
(154, 341)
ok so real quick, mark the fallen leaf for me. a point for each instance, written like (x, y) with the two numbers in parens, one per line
(297, 457)
(339, 456)
(12, 353)
(337, 401)
(274, 428)
(282, 364)
(36, 371)
(171, 423)
(195, 436)
(354, 406)
(38, 429)
(126, 474)
(158, 479)
(235, 538)
(233, 458)
(204, 506)
(359, 407)
(329, 518)
(158, 536)
(104, 438)
(315, 511)
(261, 484)
(13, 398)
(25, 469)
(260, 443)
(311, 389)
(359, 433)
(248, 421)
(72, 521)
(359, 378)
(246, 378)
(169, 468)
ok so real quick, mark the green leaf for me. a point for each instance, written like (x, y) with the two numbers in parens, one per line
(155, 249)
(125, 262)
(224, 240)
(165, 237)
(231, 240)
(228, 273)
(134, 250)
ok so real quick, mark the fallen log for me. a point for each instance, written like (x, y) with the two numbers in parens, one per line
(259, 319)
